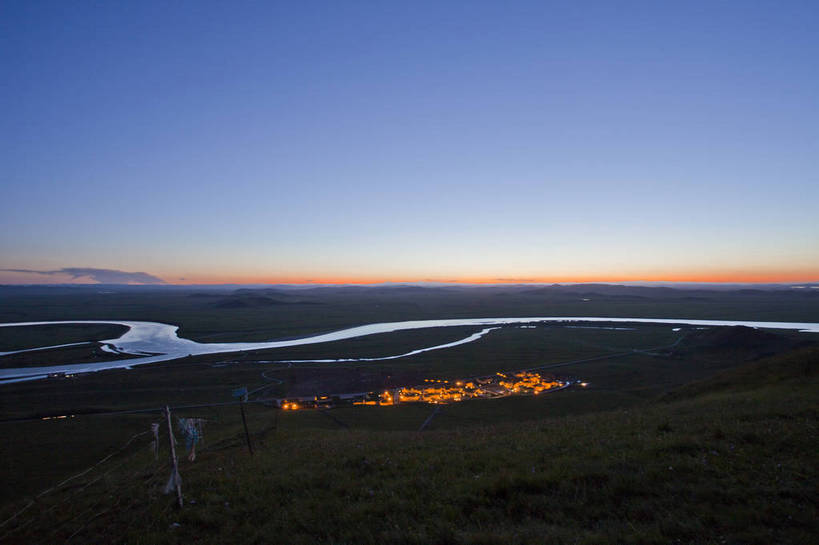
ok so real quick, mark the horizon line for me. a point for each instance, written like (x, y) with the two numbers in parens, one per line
(431, 283)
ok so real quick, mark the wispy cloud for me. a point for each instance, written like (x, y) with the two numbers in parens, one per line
(103, 276)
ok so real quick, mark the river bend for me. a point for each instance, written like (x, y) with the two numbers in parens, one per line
(156, 342)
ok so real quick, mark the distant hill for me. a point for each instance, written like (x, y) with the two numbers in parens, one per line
(251, 299)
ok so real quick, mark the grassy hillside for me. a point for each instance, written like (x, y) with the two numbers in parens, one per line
(727, 460)
(795, 369)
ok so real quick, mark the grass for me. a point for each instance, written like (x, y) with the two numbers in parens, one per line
(726, 466)
(694, 446)
(203, 317)
(84, 353)
(38, 453)
(615, 382)
(21, 338)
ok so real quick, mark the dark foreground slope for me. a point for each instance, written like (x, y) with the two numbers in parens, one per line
(728, 460)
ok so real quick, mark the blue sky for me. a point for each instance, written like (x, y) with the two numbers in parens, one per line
(315, 141)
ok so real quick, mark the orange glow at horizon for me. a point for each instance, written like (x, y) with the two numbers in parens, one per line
(733, 277)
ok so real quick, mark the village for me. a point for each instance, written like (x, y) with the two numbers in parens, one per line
(436, 391)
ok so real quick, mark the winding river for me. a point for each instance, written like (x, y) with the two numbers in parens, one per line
(154, 342)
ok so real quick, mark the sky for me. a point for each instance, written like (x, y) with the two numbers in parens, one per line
(309, 141)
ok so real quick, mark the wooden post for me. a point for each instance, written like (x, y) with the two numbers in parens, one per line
(244, 421)
(174, 463)
(155, 431)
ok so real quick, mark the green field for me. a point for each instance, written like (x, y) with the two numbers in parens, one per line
(707, 464)
(257, 315)
(732, 412)
(16, 338)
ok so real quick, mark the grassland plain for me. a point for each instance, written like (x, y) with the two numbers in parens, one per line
(257, 315)
(38, 453)
(66, 355)
(51, 335)
(211, 378)
(394, 475)
(729, 459)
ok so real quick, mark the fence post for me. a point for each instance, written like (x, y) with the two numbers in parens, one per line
(177, 480)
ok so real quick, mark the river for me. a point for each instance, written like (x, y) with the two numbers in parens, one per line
(156, 342)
